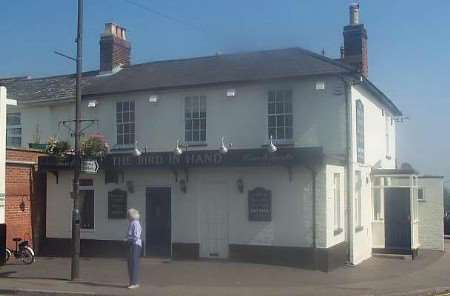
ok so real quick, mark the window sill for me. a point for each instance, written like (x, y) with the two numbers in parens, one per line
(279, 145)
(338, 231)
(421, 200)
(359, 228)
(87, 230)
(122, 148)
(197, 144)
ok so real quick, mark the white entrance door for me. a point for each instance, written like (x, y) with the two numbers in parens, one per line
(214, 221)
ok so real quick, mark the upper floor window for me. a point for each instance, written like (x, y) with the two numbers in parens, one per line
(280, 115)
(125, 123)
(13, 130)
(195, 119)
(360, 132)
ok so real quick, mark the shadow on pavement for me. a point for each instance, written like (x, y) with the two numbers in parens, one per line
(94, 284)
(6, 273)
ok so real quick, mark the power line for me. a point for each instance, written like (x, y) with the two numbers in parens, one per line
(166, 16)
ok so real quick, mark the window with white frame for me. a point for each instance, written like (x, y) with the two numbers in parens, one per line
(337, 201)
(280, 118)
(420, 194)
(195, 119)
(13, 129)
(125, 123)
(360, 152)
(358, 199)
(378, 204)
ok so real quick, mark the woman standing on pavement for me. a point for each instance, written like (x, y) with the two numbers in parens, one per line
(134, 247)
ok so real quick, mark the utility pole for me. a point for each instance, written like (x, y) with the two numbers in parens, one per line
(75, 271)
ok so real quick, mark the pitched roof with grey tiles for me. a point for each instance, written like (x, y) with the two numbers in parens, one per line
(209, 70)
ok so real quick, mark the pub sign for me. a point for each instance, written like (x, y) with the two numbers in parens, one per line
(260, 205)
(117, 204)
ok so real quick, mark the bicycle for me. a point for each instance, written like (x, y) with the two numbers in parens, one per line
(23, 251)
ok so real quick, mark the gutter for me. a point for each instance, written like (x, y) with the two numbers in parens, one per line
(349, 170)
(314, 213)
(349, 165)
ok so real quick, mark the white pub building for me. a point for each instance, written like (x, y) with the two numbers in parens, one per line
(279, 156)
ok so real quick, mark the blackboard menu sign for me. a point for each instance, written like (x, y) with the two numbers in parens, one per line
(259, 205)
(117, 204)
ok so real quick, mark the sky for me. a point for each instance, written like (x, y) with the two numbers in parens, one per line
(409, 47)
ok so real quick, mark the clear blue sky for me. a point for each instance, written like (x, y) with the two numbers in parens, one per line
(409, 46)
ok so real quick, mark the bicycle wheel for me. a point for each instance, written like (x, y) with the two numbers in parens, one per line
(27, 255)
(8, 255)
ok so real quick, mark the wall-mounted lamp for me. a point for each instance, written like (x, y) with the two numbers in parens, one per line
(130, 186)
(240, 185)
(92, 104)
(183, 186)
(223, 148)
(271, 147)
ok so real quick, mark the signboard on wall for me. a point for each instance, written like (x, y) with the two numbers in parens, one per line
(260, 205)
(89, 166)
(117, 204)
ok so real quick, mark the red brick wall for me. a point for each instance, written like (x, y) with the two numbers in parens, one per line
(24, 195)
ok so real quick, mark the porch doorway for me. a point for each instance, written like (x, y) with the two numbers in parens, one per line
(397, 211)
(158, 222)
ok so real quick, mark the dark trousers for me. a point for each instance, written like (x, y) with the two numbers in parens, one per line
(134, 252)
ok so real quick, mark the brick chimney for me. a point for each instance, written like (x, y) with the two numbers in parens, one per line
(355, 43)
(114, 48)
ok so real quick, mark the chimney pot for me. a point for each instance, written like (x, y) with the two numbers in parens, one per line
(354, 14)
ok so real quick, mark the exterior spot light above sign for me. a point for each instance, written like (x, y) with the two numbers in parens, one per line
(223, 149)
(136, 151)
(271, 147)
(231, 92)
(178, 150)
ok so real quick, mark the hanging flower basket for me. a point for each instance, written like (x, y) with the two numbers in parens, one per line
(94, 147)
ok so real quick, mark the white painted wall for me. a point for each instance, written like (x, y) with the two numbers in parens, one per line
(319, 120)
(377, 155)
(374, 130)
(431, 212)
(318, 116)
(291, 223)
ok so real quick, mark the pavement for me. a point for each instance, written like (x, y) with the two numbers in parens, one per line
(428, 274)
